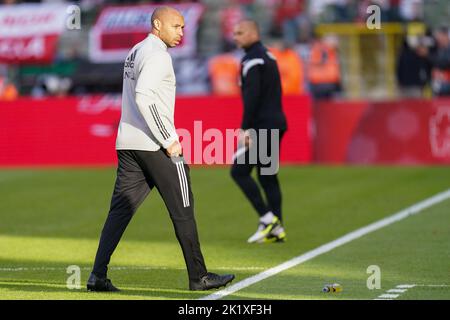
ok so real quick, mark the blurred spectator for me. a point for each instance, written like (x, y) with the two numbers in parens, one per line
(51, 85)
(412, 10)
(441, 62)
(192, 75)
(224, 74)
(87, 5)
(341, 10)
(332, 11)
(5, 2)
(229, 17)
(7, 90)
(289, 16)
(50, 1)
(248, 6)
(291, 70)
(291, 21)
(394, 11)
(414, 67)
(316, 9)
(323, 70)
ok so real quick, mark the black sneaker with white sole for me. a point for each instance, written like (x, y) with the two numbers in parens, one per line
(264, 230)
(278, 235)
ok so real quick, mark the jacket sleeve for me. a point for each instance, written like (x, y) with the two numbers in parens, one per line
(151, 74)
(251, 91)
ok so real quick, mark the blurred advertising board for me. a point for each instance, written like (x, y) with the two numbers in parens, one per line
(81, 131)
(119, 28)
(29, 32)
(403, 132)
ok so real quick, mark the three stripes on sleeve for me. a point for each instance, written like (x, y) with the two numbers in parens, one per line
(156, 117)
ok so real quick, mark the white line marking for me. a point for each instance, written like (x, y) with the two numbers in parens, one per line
(407, 286)
(430, 285)
(414, 209)
(397, 290)
(390, 296)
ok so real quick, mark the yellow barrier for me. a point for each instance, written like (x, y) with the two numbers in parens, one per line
(368, 56)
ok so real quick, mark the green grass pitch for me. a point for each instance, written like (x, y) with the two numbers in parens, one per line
(51, 219)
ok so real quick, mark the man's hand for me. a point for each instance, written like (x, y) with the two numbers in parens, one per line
(245, 138)
(174, 150)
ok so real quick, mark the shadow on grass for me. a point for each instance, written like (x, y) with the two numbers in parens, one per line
(33, 282)
(56, 291)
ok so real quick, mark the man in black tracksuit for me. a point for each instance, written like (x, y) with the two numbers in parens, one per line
(263, 126)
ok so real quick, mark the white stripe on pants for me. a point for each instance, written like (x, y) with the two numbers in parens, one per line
(183, 183)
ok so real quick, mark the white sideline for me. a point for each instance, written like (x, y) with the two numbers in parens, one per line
(402, 288)
(414, 209)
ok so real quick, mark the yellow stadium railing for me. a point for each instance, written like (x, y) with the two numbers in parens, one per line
(368, 56)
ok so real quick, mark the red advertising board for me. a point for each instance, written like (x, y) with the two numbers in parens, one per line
(82, 131)
(334, 124)
(404, 132)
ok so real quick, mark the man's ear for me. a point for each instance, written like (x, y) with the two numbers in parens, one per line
(157, 24)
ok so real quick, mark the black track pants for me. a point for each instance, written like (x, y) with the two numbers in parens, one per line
(138, 172)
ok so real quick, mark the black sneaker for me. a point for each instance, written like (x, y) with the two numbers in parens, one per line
(211, 281)
(100, 284)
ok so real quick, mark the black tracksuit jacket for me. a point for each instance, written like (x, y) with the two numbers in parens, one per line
(261, 90)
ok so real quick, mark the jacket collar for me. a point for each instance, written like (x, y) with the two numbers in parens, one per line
(158, 41)
(253, 46)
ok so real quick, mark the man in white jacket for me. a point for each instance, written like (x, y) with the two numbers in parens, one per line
(150, 154)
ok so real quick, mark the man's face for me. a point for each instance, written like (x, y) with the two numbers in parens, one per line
(442, 39)
(171, 30)
(242, 36)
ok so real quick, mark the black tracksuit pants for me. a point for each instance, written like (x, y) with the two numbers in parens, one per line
(241, 174)
(137, 173)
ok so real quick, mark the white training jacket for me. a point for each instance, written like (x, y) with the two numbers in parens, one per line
(148, 98)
